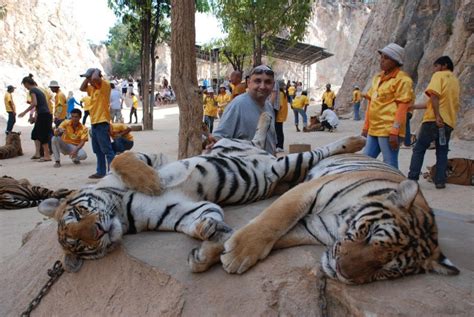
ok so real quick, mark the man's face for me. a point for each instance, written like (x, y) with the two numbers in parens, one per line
(260, 86)
(54, 89)
(75, 117)
(438, 68)
(235, 78)
(386, 63)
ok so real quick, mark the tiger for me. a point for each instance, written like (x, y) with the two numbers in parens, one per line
(145, 192)
(375, 223)
(16, 194)
(12, 147)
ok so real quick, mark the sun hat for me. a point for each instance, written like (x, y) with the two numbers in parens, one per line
(210, 90)
(53, 84)
(394, 52)
(356, 87)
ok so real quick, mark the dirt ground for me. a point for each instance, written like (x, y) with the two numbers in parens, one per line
(164, 138)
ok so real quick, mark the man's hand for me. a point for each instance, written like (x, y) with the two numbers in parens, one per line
(393, 141)
(364, 133)
(212, 141)
(21, 115)
(439, 122)
(73, 153)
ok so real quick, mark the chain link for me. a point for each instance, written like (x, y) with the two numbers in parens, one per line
(321, 284)
(54, 274)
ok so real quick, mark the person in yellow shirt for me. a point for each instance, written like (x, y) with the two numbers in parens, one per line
(439, 120)
(99, 91)
(121, 136)
(298, 105)
(10, 108)
(60, 103)
(69, 138)
(210, 108)
(86, 105)
(328, 99)
(389, 98)
(133, 109)
(291, 93)
(236, 84)
(281, 116)
(356, 99)
(223, 99)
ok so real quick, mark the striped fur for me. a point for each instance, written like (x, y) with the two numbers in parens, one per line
(145, 193)
(375, 223)
(12, 147)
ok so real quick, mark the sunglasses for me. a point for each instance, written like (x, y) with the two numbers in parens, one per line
(262, 69)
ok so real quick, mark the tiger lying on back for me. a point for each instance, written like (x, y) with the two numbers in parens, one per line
(375, 223)
(144, 193)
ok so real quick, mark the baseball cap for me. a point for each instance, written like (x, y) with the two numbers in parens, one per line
(89, 72)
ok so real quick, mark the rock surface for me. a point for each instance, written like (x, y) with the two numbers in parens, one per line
(149, 276)
(427, 30)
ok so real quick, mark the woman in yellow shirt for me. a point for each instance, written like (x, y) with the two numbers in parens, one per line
(210, 109)
(298, 105)
(223, 99)
(389, 97)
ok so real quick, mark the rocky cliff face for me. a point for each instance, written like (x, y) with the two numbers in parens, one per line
(40, 37)
(100, 51)
(427, 29)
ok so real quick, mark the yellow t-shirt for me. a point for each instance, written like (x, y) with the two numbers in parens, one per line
(100, 102)
(60, 105)
(223, 100)
(120, 127)
(384, 96)
(291, 90)
(300, 101)
(446, 86)
(328, 98)
(237, 90)
(210, 106)
(71, 135)
(86, 103)
(356, 96)
(283, 112)
(135, 102)
(9, 102)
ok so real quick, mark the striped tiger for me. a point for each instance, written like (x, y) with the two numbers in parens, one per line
(144, 192)
(16, 194)
(375, 223)
(12, 147)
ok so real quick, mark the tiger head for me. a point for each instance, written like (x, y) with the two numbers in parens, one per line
(85, 229)
(385, 236)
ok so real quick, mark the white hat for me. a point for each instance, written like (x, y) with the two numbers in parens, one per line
(210, 90)
(394, 51)
(53, 83)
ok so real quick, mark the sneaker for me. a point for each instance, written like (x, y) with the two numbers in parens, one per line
(96, 176)
(440, 186)
(57, 164)
(279, 150)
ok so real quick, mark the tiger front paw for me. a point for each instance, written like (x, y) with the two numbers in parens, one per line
(245, 248)
(350, 144)
(202, 258)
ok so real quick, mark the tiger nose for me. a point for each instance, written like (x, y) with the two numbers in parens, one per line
(99, 232)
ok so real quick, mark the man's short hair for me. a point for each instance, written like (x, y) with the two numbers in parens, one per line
(304, 93)
(79, 112)
(445, 61)
(112, 85)
(262, 69)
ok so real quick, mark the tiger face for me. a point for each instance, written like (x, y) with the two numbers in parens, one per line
(387, 236)
(85, 230)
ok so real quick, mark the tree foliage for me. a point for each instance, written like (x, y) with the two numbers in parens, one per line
(124, 50)
(251, 23)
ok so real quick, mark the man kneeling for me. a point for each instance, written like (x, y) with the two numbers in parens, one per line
(69, 138)
(122, 139)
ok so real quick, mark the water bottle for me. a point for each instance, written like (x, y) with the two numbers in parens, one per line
(442, 136)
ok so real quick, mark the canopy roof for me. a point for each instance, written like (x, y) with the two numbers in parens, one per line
(304, 54)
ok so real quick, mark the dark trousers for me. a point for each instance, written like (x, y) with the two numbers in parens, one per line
(121, 144)
(11, 121)
(327, 125)
(209, 121)
(280, 135)
(407, 140)
(133, 111)
(324, 107)
(86, 114)
(428, 133)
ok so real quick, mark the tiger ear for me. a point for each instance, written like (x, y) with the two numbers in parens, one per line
(405, 193)
(48, 206)
(72, 263)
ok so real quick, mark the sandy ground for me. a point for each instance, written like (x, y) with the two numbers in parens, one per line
(164, 138)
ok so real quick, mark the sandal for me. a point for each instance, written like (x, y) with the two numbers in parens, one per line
(34, 157)
(44, 160)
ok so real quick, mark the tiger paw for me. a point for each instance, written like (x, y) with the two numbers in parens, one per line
(350, 144)
(214, 230)
(202, 258)
(245, 248)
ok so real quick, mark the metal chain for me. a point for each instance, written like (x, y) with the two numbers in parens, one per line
(54, 274)
(321, 284)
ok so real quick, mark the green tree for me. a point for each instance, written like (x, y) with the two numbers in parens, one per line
(147, 16)
(253, 22)
(124, 50)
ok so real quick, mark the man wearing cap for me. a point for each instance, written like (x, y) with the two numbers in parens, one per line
(242, 114)
(10, 108)
(328, 98)
(210, 108)
(60, 101)
(389, 98)
(356, 98)
(99, 91)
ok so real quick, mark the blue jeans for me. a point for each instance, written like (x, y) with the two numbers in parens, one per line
(377, 144)
(407, 140)
(102, 147)
(121, 145)
(209, 121)
(303, 114)
(356, 111)
(11, 121)
(429, 133)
